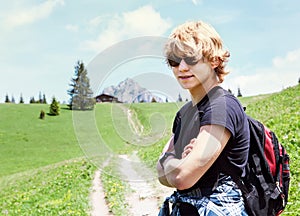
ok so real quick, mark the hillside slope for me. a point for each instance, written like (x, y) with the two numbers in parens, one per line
(28, 143)
(281, 113)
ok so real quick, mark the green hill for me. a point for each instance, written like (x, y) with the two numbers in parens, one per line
(27, 142)
(281, 113)
(43, 166)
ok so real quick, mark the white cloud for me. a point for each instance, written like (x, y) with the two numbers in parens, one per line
(221, 19)
(284, 72)
(144, 21)
(29, 15)
(72, 28)
(96, 21)
(196, 2)
(292, 57)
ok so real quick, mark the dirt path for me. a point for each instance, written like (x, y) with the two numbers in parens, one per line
(134, 123)
(148, 194)
(99, 207)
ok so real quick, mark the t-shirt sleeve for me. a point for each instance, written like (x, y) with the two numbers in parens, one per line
(223, 111)
(228, 112)
(176, 122)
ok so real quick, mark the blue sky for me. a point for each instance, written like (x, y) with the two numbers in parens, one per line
(41, 41)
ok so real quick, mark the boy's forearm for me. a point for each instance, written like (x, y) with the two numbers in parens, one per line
(161, 175)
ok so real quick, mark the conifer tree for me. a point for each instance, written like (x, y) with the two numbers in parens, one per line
(7, 99)
(13, 99)
(40, 98)
(153, 100)
(239, 94)
(80, 92)
(179, 98)
(44, 101)
(21, 99)
(54, 107)
(32, 100)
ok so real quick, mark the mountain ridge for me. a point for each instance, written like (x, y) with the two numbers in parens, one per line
(130, 91)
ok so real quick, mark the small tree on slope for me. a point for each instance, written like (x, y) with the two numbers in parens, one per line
(54, 107)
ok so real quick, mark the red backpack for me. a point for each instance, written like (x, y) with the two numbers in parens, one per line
(266, 184)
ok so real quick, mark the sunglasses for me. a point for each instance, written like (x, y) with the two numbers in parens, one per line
(174, 61)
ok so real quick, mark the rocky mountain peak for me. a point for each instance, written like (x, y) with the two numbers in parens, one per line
(129, 91)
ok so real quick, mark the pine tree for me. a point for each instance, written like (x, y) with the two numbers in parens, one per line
(21, 99)
(54, 107)
(179, 98)
(7, 99)
(40, 98)
(44, 101)
(239, 94)
(153, 100)
(13, 99)
(32, 100)
(80, 93)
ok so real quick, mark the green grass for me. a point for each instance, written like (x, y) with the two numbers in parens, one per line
(110, 122)
(27, 142)
(252, 99)
(151, 116)
(115, 189)
(156, 114)
(37, 179)
(61, 189)
(281, 113)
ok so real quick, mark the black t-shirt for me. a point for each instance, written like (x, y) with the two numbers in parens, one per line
(221, 108)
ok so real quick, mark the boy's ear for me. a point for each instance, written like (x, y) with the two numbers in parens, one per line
(215, 62)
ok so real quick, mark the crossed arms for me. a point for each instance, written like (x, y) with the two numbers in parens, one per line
(197, 157)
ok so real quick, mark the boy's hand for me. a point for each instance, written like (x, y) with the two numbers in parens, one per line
(188, 148)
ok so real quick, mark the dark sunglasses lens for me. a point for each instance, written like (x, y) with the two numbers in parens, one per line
(191, 60)
(173, 63)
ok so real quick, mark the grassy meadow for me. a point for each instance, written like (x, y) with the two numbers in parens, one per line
(44, 171)
(28, 142)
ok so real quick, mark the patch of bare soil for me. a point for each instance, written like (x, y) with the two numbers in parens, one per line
(99, 207)
(148, 194)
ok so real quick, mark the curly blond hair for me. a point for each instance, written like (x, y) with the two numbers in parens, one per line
(198, 39)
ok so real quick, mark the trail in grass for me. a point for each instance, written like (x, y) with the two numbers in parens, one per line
(99, 207)
(147, 193)
(134, 122)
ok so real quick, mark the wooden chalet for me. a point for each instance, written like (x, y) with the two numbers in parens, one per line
(106, 98)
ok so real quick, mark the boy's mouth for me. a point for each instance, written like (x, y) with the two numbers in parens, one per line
(185, 77)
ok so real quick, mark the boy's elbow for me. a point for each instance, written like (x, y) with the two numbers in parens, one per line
(181, 183)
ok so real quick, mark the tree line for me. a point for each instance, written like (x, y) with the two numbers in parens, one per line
(42, 99)
(81, 95)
